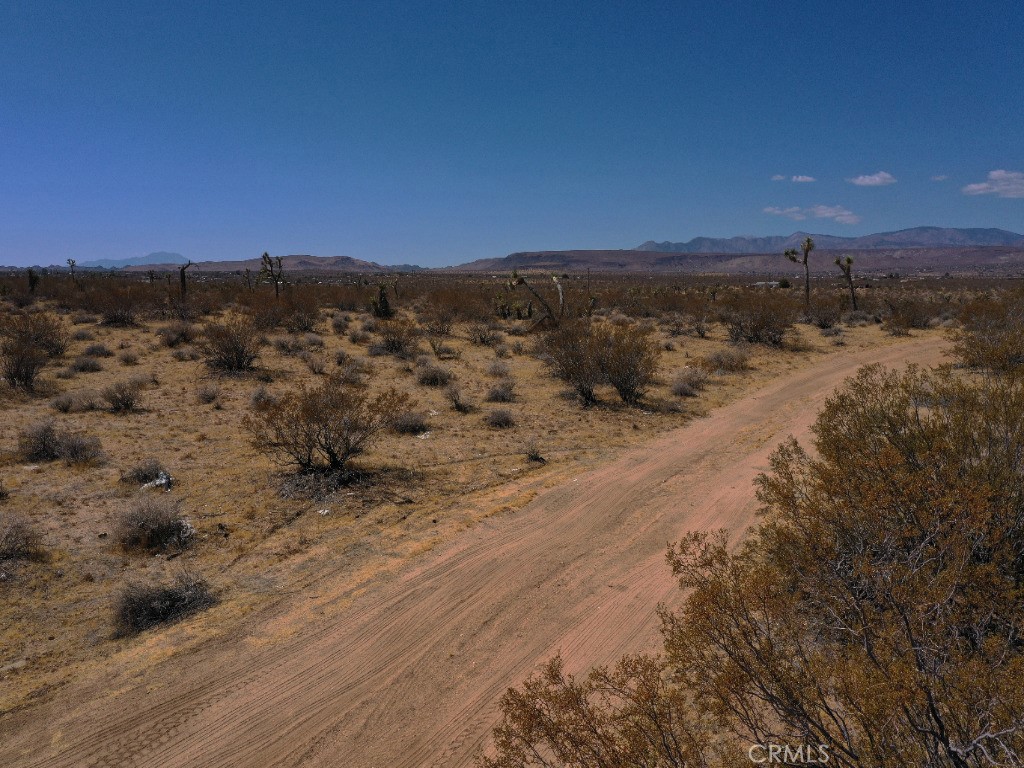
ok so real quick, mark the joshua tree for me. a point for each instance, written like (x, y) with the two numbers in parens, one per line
(791, 253)
(71, 266)
(549, 315)
(846, 265)
(271, 269)
(33, 280)
(181, 278)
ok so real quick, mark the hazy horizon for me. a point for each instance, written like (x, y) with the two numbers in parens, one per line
(403, 133)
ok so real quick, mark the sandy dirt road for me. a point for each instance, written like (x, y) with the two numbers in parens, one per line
(410, 672)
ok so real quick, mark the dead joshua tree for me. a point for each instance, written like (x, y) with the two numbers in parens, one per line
(846, 265)
(182, 279)
(517, 279)
(793, 255)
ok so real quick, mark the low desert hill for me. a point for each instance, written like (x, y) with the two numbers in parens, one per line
(990, 260)
(294, 263)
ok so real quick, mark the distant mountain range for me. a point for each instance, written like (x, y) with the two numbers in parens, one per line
(918, 237)
(293, 263)
(159, 257)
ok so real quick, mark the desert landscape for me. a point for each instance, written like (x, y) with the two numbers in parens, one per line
(185, 586)
(511, 385)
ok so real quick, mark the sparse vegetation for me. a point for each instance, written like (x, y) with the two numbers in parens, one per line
(323, 427)
(233, 345)
(689, 382)
(143, 606)
(500, 419)
(153, 523)
(43, 441)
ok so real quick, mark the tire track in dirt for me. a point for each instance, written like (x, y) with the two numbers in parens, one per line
(411, 672)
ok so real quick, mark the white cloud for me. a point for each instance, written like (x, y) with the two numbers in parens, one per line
(803, 179)
(1001, 183)
(794, 213)
(778, 177)
(879, 179)
(835, 212)
(940, 177)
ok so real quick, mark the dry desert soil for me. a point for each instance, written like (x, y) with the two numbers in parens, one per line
(406, 668)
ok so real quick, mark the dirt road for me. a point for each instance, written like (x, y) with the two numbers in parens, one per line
(409, 673)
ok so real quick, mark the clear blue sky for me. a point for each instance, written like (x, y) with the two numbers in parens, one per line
(439, 132)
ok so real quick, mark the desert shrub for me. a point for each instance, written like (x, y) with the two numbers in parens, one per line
(502, 350)
(397, 337)
(82, 334)
(458, 400)
(289, 345)
(81, 449)
(145, 472)
(233, 345)
(143, 606)
(357, 336)
(689, 382)
(759, 317)
(500, 419)
(314, 340)
(440, 321)
(301, 311)
(26, 342)
(629, 360)
(185, 355)
(443, 351)
(533, 452)
(123, 396)
(207, 393)
(906, 313)
(411, 423)
(498, 370)
(20, 362)
(339, 324)
(19, 540)
(434, 376)
(128, 358)
(98, 350)
(824, 312)
(43, 441)
(177, 333)
(575, 355)
(153, 523)
(118, 307)
(353, 373)
(83, 318)
(315, 363)
(83, 364)
(63, 403)
(322, 427)
(261, 396)
(4, 493)
(502, 392)
(729, 360)
(991, 336)
(341, 357)
(40, 442)
(883, 583)
(485, 335)
(586, 355)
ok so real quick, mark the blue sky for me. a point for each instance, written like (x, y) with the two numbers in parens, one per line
(440, 132)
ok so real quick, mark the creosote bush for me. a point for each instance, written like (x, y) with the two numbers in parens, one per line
(411, 423)
(233, 345)
(502, 392)
(143, 606)
(153, 523)
(587, 355)
(177, 333)
(26, 343)
(123, 396)
(689, 382)
(500, 419)
(145, 472)
(322, 428)
(729, 360)
(434, 376)
(874, 610)
(19, 540)
(43, 441)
